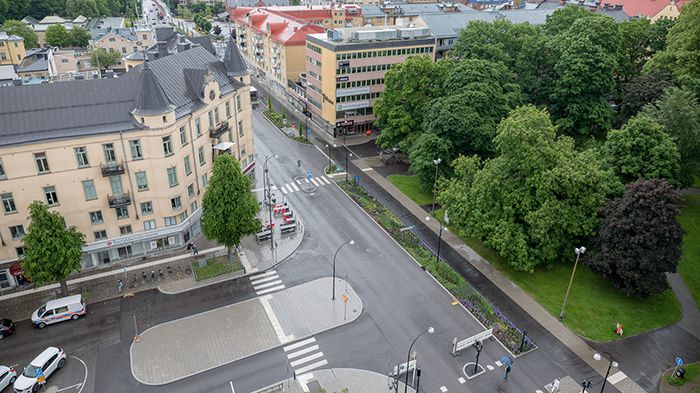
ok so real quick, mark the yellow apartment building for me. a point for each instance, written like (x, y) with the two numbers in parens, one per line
(11, 49)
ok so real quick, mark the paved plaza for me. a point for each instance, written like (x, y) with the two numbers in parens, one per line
(335, 380)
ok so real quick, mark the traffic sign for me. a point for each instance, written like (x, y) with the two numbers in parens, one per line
(345, 298)
(679, 361)
(38, 372)
(309, 175)
(41, 379)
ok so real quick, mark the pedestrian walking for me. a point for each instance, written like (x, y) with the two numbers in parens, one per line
(505, 374)
(195, 251)
(120, 285)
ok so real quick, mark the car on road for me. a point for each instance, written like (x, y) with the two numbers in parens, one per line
(7, 377)
(63, 309)
(45, 364)
(7, 328)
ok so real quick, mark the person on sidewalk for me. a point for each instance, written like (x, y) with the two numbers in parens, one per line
(505, 374)
(193, 247)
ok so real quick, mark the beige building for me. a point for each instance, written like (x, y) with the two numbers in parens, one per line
(11, 49)
(71, 62)
(124, 41)
(125, 160)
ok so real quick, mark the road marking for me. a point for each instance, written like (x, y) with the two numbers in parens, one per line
(461, 380)
(313, 181)
(289, 187)
(538, 391)
(269, 273)
(367, 169)
(443, 389)
(295, 187)
(303, 351)
(284, 191)
(268, 284)
(265, 301)
(299, 344)
(264, 279)
(490, 367)
(273, 289)
(306, 359)
(617, 377)
(76, 386)
(498, 363)
(311, 367)
(325, 180)
(86, 372)
(232, 390)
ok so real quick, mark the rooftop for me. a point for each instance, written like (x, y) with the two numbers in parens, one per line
(127, 33)
(370, 34)
(369, 11)
(5, 37)
(287, 30)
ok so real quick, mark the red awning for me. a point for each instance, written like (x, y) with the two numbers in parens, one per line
(16, 269)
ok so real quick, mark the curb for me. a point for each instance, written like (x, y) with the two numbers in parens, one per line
(204, 285)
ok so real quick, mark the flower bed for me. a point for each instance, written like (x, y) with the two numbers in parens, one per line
(506, 332)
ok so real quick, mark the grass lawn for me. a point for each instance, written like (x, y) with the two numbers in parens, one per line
(410, 186)
(214, 267)
(692, 374)
(696, 182)
(689, 266)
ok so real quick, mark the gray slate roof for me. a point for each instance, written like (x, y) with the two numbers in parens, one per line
(150, 98)
(449, 25)
(233, 60)
(126, 32)
(373, 11)
(205, 42)
(97, 106)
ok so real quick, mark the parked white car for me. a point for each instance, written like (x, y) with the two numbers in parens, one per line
(63, 309)
(48, 361)
(7, 377)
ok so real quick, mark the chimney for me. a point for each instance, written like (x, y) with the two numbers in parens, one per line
(17, 82)
(162, 49)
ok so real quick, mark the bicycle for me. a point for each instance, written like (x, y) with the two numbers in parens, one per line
(135, 283)
(153, 276)
(160, 275)
(144, 278)
(120, 285)
(188, 270)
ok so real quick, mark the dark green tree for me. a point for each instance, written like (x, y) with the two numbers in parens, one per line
(642, 150)
(17, 10)
(642, 90)
(18, 28)
(679, 112)
(103, 59)
(86, 8)
(58, 7)
(229, 206)
(40, 9)
(637, 47)
(639, 239)
(57, 35)
(52, 250)
(79, 37)
(3, 11)
(427, 148)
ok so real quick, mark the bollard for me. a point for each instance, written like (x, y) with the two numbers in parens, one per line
(522, 341)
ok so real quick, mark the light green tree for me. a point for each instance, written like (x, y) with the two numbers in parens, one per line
(52, 250)
(229, 206)
(15, 27)
(79, 37)
(104, 59)
(57, 35)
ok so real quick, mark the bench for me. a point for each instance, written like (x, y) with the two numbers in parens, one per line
(288, 228)
(290, 220)
(264, 235)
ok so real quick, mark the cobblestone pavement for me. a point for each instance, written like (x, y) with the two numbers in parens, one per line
(177, 349)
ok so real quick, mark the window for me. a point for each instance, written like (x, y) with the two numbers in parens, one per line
(144, 37)
(116, 184)
(89, 190)
(175, 203)
(188, 168)
(42, 163)
(216, 115)
(240, 128)
(96, 217)
(183, 136)
(19, 251)
(167, 146)
(170, 221)
(149, 225)
(135, 147)
(146, 208)
(110, 155)
(122, 212)
(17, 232)
(165, 119)
(81, 156)
(100, 235)
(183, 216)
(8, 203)
(141, 181)
(190, 190)
(193, 207)
(3, 175)
(228, 109)
(172, 177)
(204, 180)
(211, 119)
(123, 50)
(198, 126)
(51, 196)
(125, 230)
(201, 155)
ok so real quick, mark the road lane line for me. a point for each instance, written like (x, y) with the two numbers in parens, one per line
(267, 285)
(306, 359)
(273, 289)
(299, 344)
(232, 390)
(311, 367)
(265, 301)
(303, 351)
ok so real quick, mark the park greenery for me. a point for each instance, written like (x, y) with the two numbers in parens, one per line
(547, 133)
(52, 250)
(38, 9)
(104, 59)
(229, 206)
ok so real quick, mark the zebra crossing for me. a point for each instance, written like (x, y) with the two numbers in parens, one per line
(305, 356)
(267, 282)
(292, 186)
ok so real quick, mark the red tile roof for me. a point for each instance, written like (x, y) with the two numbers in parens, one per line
(281, 28)
(647, 8)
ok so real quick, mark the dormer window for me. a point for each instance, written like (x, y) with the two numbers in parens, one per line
(212, 95)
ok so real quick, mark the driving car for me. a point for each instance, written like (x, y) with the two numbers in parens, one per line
(45, 364)
(7, 328)
(7, 377)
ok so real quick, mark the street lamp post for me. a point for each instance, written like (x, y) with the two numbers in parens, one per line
(578, 251)
(267, 191)
(437, 164)
(612, 364)
(350, 242)
(442, 227)
(429, 330)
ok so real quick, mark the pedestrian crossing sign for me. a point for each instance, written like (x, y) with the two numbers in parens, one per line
(309, 175)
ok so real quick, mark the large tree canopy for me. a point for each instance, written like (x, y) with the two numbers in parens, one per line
(641, 149)
(18, 28)
(535, 199)
(639, 238)
(644, 89)
(57, 35)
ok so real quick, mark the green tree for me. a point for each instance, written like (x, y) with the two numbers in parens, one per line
(639, 239)
(57, 35)
(58, 7)
(409, 86)
(86, 8)
(562, 19)
(636, 47)
(18, 28)
(104, 59)
(39, 9)
(642, 150)
(17, 10)
(103, 7)
(427, 148)
(79, 37)
(679, 112)
(536, 199)
(52, 250)
(230, 208)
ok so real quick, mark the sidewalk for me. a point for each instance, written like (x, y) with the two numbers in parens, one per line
(572, 341)
(335, 380)
(224, 335)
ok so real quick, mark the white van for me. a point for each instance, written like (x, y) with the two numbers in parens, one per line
(63, 309)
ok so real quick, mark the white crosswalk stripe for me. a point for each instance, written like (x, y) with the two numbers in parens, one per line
(266, 282)
(305, 356)
(314, 182)
(295, 187)
(284, 190)
(325, 179)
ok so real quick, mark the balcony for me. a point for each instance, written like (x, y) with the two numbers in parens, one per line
(119, 200)
(112, 169)
(218, 130)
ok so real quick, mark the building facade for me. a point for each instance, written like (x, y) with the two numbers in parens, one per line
(125, 160)
(124, 41)
(11, 49)
(345, 71)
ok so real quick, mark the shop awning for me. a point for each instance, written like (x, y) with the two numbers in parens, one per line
(223, 146)
(16, 269)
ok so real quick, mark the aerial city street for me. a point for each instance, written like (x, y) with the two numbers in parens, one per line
(250, 196)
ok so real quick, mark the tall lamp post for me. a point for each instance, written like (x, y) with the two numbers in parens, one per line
(578, 251)
(266, 188)
(330, 153)
(442, 227)
(437, 164)
(429, 330)
(350, 242)
(612, 364)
